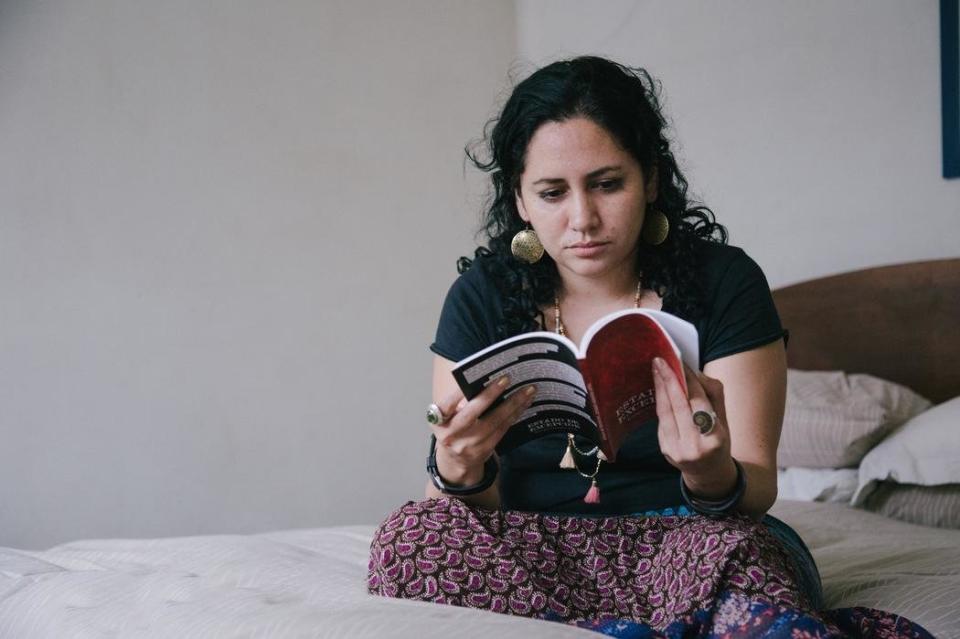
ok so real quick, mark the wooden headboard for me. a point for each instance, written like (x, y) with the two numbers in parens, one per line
(900, 322)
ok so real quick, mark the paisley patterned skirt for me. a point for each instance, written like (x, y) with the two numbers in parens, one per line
(646, 569)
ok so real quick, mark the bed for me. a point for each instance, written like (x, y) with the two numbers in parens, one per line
(311, 583)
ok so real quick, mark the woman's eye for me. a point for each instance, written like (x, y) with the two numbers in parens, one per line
(551, 194)
(609, 185)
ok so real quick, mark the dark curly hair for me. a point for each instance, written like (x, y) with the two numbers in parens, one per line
(624, 101)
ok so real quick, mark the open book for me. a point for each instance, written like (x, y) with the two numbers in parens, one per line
(601, 390)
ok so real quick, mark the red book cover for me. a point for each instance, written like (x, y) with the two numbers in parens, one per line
(616, 363)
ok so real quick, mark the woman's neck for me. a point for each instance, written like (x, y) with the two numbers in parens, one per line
(606, 290)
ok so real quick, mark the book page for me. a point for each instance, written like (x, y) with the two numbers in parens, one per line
(544, 359)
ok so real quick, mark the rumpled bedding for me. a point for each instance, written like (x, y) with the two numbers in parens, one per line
(312, 583)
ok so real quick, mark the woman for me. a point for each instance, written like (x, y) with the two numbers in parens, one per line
(581, 166)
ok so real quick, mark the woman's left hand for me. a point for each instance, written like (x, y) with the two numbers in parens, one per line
(704, 459)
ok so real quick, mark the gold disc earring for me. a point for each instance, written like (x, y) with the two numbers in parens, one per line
(656, 227)
(526, 246)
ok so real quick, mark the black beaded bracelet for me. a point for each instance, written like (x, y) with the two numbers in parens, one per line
(490, 470)
(717, 507)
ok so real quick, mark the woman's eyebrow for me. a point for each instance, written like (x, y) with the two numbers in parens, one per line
(590, 175)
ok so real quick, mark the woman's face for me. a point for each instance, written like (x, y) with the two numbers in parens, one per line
(585, 197)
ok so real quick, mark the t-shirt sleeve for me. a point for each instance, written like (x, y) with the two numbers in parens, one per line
(463, 327)
(742, 315)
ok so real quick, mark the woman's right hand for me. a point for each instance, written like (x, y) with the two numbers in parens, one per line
(466, 440)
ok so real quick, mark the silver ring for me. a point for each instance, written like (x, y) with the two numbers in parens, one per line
(434, 415)
(705, 421)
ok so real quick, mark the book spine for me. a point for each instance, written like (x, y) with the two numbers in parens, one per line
(604, 442)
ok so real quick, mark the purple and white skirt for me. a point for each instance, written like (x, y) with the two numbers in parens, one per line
(647, 569)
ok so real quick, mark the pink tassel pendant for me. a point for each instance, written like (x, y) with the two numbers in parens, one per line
(593, 495)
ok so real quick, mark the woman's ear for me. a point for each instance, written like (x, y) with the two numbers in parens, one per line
(521, 209)
(651, 188)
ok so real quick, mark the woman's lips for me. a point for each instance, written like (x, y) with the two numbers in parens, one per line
(588, 249)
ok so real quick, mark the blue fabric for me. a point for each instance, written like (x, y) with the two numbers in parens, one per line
(678, 511)
(735, 617)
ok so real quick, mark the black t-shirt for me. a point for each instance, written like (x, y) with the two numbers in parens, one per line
(740, 315)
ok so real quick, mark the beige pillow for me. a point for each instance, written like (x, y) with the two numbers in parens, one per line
(925, 505)
(833, 419)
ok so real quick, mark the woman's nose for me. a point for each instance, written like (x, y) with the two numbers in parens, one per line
(582, 213)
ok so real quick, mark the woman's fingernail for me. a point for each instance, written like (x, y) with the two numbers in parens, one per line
(529, 390)
(462, 403)
(503, 381)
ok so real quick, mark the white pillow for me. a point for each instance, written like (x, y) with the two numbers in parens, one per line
(817, 484)
(924, 451)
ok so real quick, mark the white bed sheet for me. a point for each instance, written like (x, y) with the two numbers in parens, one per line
(310, 583)
(298, 583)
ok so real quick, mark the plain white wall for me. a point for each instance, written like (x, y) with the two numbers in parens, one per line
(812, 129)
(226, 230)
